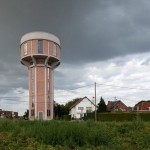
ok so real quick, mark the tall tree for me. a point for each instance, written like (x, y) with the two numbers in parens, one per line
(102, 106)
(60, 110)
(26, 115)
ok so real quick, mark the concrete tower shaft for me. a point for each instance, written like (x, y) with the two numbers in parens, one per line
(40, 52)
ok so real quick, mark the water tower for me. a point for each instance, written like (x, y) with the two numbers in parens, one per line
(40, 52)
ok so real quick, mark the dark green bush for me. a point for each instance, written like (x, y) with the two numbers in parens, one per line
(118, 116)
(67, 117)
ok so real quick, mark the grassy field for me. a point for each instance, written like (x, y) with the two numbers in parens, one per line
(83, 135)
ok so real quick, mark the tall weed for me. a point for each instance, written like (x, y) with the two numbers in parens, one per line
(74, 135)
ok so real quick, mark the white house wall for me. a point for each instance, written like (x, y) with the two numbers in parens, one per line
(73, 112)
(76, 113)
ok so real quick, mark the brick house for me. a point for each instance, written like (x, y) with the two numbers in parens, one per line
(118, 105)
(142, 106)
(8, 114)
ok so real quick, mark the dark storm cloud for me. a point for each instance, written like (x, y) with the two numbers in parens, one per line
(104, 29)
(89, 30)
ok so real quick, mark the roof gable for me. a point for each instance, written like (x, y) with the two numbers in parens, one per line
(142, 105)
(112, 104)
(141, 102)
(79, 100)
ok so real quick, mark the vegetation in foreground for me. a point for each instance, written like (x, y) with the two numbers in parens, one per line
(54, 135)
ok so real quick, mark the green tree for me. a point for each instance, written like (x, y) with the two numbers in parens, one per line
(61, 110)
(26, 115)
(102, 106)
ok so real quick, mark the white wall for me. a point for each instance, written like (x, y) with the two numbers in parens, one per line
(73, 112)
(76, 113)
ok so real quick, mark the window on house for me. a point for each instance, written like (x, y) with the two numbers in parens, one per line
(32, 112)
(80, 108)
(40, 46)
(88, 108)
(54, 49)
(25, 48)
(48, 112)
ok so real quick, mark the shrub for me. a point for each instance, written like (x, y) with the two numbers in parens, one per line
(67, 117)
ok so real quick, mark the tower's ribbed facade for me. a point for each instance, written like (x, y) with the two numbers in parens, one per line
(40, 52)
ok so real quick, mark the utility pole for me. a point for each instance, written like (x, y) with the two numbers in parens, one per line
(95, 103)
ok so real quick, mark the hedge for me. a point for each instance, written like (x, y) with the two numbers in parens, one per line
(67, 117)
(118, 116)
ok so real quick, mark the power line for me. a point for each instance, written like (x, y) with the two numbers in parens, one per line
(78, 87)
(57, 92)
(121, 86)
(45, 94)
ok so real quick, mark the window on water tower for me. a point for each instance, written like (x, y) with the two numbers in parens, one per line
(32, 87)
(48, 73)
(40, 46)
(25, 48)
(48, 112)
(48, 102)
(54, 50)
(48, 86)
(32, 112)
(32, 70)
(32, 101)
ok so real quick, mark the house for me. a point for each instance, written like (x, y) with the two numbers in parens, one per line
(80, 107)
(8, 114)
(117, 105)
(142, 106)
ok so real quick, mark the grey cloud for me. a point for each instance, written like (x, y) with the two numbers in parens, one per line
(146, 62)
(108, 33)
(12, 76)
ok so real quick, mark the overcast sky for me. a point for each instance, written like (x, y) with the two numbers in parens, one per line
(103, 41)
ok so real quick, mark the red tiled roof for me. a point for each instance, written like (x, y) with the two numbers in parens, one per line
(143, 105)
(111, 104)
(76, 102)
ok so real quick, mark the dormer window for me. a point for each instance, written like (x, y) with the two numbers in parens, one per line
(25, 48)
(40, 46)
